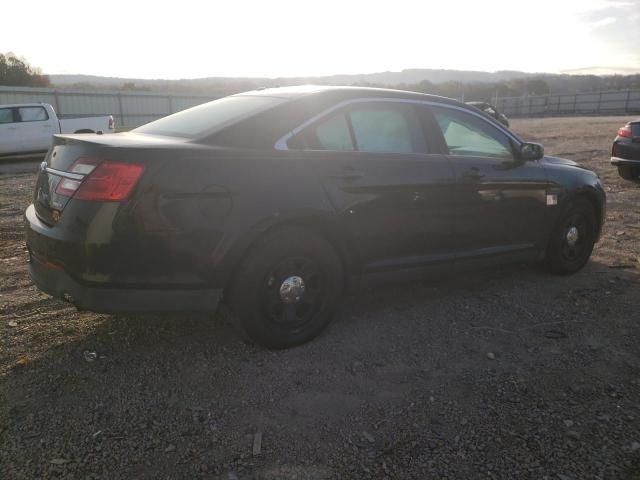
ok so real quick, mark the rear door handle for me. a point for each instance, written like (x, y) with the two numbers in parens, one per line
(472, 174)
(348, 173)
(349, 177)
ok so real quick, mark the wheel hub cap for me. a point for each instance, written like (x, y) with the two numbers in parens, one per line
(572, 236)
(292, 289)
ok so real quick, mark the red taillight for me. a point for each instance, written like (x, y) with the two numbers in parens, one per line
(625, 132)
(105, 180)
(110, 182)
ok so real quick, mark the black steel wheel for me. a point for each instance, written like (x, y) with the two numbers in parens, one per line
(287, 288)
(573, 238)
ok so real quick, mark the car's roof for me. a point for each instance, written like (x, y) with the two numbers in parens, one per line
(348, 91)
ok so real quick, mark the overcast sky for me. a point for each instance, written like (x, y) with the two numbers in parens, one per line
(189, 39)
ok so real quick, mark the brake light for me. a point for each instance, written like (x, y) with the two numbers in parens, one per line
(104, 180)
(110, 182)
(625, 132)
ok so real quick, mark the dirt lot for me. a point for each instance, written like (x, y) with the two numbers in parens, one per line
(510, 373)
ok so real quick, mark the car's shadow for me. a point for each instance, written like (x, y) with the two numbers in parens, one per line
(519, 288)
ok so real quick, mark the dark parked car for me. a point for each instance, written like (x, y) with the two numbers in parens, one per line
(281, 199)
(492, 111)
(625, 152)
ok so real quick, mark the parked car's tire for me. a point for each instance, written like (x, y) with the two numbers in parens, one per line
(286, 288)
(629, 173)
(573, 238)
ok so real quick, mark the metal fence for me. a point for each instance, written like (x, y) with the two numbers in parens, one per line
(592, 103)
(130, 109)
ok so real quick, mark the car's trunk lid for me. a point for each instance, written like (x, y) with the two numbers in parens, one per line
(55, 167)
(66, 150)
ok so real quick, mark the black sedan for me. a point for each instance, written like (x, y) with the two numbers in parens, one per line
(280, 200)
(625, 152)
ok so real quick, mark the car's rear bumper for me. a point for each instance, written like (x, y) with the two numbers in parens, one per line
(617, 161)
(52, 280)
(54, 256)
(625, 152)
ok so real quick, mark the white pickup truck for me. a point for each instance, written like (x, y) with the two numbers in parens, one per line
(29, 127)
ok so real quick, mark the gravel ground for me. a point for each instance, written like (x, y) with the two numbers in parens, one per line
(501, 374)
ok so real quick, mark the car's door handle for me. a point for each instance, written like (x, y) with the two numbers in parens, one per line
(347, 177)
(348, 173)
(472, 174)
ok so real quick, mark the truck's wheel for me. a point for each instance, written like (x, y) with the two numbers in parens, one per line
(84, 130)
(286, 288)
(573, 238)
(629, 173)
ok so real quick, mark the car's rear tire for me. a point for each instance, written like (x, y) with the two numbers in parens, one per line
(629, 173)
(286, 289)
(573, 238)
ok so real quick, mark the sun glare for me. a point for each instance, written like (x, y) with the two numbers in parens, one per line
(287, 38)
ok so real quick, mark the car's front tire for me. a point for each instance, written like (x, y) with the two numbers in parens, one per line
(573, 238)
(286, 288)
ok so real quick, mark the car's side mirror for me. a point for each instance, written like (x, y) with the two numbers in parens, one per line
(531, 151)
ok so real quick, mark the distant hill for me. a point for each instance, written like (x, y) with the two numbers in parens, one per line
(407, 77)
(463, 84)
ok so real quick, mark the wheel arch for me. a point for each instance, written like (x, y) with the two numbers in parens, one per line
(84, 130)
(321, 225)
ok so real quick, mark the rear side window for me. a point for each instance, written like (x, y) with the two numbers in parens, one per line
(376, 128)
(210, 117)
(466, 134)
(383, 129)
(32, 114)
(6, 115)
(333, 134)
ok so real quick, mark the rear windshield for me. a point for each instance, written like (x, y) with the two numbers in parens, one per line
(210, 117)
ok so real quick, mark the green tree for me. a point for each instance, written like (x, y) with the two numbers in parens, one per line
(15, 71)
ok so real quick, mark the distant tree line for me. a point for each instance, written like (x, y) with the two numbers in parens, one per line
(542, 85)
(16, 72)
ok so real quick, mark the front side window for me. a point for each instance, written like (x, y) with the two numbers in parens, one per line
(6, 115)
(32, 114)
(374, 128)
(466, 134)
